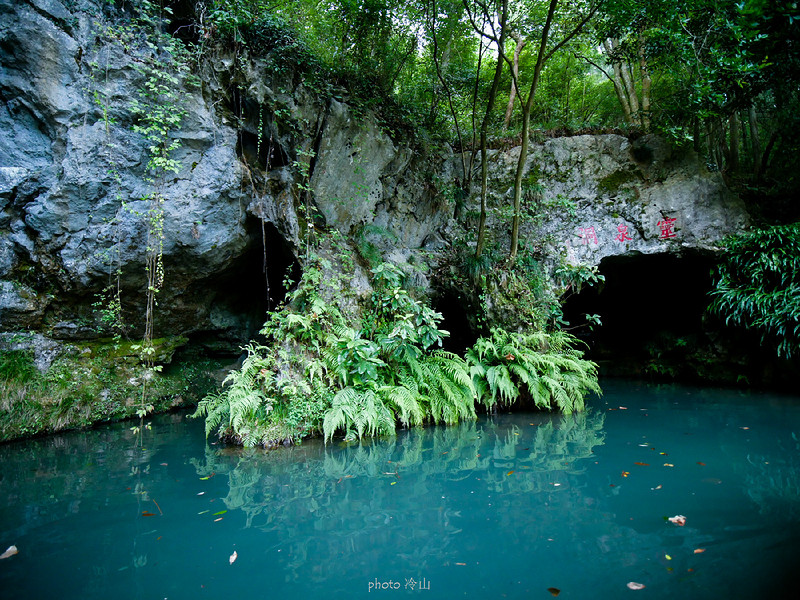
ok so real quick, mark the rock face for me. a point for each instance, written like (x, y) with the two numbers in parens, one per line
(589, 197)
(258, 150)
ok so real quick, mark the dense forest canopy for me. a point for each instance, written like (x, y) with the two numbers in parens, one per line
(719, 74)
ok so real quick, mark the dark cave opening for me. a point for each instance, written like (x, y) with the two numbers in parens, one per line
(266, 154)
(651, 307)
(455, 319)
(245, 294)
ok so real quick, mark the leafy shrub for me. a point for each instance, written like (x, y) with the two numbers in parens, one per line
(320, 371)
(758, 285)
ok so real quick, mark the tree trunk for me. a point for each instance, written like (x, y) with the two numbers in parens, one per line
(526, 120)
(619, 86)
(733, 150)
(644, 73)
(512, 95)
(498, 71)
(755, 141)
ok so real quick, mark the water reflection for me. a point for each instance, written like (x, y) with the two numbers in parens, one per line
(397, 493)
(504, 506)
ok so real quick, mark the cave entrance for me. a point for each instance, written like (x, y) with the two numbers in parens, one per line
(455, 320)
(253, 286)
(650, 306)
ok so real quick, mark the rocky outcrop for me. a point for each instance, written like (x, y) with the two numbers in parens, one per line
(589, 197)
(264, 158)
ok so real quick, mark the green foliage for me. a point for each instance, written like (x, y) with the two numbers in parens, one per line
(538, 367)
(758, 286)
(96, 382)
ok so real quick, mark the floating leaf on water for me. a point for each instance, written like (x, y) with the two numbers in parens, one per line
(222, 512)
(462, 564)
(668, 465)
(679, 520)
(623, 408)
(554, 591)
(393, 483)
(625, 473)
(509, 473)
(202, 512)
(702, 464)
(632, 585)
(148, 514)
(218, 519)
(668, 557)
(641, 464)
(10, 551)
(662, 453)
(200, 493)
(658, 487)
(207, 477)
(744, 428)
(699, 550)
(233, 558)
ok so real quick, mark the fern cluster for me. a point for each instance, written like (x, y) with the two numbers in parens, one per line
(319, 371)
(542, 368)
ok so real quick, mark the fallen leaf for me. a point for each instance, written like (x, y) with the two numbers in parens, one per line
(699, 550)
(554, 591)
(625, 473)
(641, 464)
(233, 558)
(207, 477)
(163, 464)
(635, 586)
(623, 408)
(556, 484)
(509, 473)
(663, 453)
(679, 520)
(11, 551)
(202, 512)
(462, 564)
(668, 465)
(393, 483)
(218, 519)
(702, 464)
(148, 514)
(658, 487)
(668, 557)
(222, 512)
(200, 493)
(744, 428)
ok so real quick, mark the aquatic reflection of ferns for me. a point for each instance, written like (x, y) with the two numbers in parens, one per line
(339, 500)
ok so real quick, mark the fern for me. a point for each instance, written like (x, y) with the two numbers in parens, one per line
(359, 409)
(544, 368)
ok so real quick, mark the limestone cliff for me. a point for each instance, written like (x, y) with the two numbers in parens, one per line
(263, 158)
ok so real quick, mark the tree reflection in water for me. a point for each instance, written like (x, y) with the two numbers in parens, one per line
(398, 493)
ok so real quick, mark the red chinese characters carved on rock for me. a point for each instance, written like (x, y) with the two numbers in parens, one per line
(667, 227)
(622, 236)
(587, 234)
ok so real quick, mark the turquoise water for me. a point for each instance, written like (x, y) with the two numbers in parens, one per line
(503, 508)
